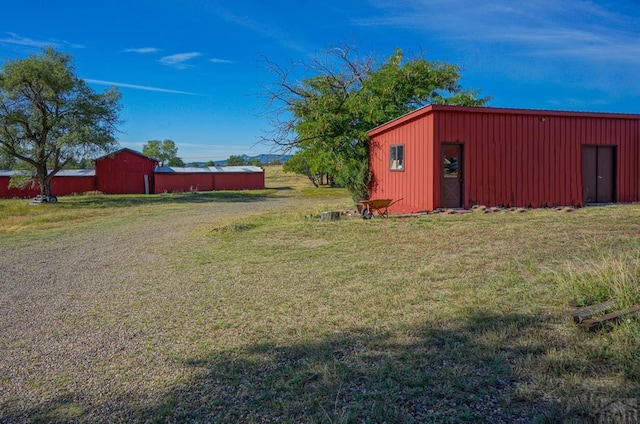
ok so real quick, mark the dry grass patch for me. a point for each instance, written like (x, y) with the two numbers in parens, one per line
(437, 318)
(264, 314)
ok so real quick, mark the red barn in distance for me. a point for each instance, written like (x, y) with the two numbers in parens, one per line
(238, 177)
(30, 190)
(73, 181)
(456, 157)
(65, 182)
(125, 172)
(172, 179)
(129, 172)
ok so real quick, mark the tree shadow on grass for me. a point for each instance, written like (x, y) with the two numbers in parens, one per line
(122, 201)
(474, 370)
(428, 374)
(280, 188)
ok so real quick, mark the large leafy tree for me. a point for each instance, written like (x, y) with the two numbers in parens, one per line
(165, 151)
(313, 164)
(7, 161)
(342, 96)
(236, 160)
(49, 116)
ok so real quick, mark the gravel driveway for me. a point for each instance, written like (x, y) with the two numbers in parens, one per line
(60, 359)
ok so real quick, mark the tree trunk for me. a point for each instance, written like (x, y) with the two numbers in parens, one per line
(313, 179)
(46, 187)
(43, 181)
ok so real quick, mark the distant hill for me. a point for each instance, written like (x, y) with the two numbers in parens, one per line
(264, 159)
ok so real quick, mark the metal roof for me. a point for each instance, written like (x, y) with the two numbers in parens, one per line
(182, 170)
(428, 109)
(126, 149)
(76, 173)
(207, 169)
(6, 173)
(61, 173)
(236, 169)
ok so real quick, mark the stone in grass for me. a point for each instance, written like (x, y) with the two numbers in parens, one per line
(565, 208)
(492, 210)
(330, 216)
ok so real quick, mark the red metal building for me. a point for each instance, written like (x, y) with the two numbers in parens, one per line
(73, 181)
(456, 157)
(170, 179)
(31, 190)
(173, 179)
(125, 172)
(238, 177)
(65, 182)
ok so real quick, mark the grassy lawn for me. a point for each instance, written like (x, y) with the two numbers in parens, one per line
(263, 316)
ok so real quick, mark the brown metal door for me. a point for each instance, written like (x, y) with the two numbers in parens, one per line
(589, 173)
(605, 183)
(452, 176)
(598, 174)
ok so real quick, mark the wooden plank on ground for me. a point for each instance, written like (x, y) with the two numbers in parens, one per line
(581, 314)
(597, 323)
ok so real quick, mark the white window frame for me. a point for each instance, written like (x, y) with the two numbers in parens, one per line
(396, 157)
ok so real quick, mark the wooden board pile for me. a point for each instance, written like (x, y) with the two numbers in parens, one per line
(601, 315)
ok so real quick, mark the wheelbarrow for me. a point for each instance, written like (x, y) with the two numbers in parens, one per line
(367, 208)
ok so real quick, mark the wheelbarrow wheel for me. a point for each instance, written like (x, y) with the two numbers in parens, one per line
(366, 213)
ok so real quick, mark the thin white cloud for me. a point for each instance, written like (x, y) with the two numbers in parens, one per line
(581, 29)
(216, 60)
(139, 87)
(18, 40)
(577, 104)
(265, 30)
(74, 45)
(179, 60)
(143, 50)
(598, 47)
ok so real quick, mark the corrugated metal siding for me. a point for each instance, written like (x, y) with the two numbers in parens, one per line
(512, 157)
(211, 178)
(183, 182)
(123, 173)
(238, 180)
(415, 184)
(60, 186)
(535, 159)
(33, 189)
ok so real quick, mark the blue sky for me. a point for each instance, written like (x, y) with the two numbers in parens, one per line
(190, 70)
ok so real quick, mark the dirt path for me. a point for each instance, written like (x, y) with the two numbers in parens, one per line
(60, 360)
